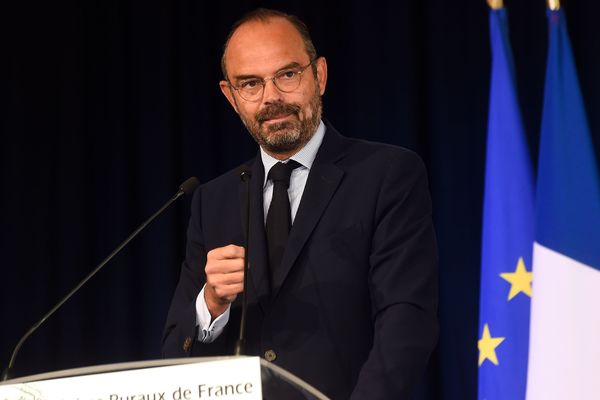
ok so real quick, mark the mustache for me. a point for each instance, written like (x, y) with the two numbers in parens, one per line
(276, 109)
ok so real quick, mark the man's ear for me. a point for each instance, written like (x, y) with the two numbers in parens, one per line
(321, 74)
(228, 93)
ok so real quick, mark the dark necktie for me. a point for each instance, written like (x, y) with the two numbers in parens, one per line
(279, 217)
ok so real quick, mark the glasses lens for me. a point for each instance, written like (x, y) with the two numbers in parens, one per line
(251, 90)
(287, 81)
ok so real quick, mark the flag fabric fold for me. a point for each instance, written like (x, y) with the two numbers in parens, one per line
(564, 354)
(508, 233)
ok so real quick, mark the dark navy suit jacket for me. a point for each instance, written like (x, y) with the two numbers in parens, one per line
(354, 303)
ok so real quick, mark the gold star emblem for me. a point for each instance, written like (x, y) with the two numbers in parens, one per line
(487, 346)
(520, 280)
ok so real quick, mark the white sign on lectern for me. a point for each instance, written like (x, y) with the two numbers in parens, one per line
(237, 378)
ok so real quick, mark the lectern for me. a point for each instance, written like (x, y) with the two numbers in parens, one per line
(212, 378)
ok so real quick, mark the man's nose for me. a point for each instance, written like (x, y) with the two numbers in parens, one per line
(271, 94)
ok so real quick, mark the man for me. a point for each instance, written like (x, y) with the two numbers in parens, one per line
(349, 303)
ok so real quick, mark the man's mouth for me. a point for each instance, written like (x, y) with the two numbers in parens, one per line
(278, 118)
(277, 113)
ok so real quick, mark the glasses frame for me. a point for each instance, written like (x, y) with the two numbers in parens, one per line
(263, 82)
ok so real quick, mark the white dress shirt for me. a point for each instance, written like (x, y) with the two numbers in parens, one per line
(209, 331)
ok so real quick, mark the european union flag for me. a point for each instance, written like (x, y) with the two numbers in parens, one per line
(508, 233)
(564, 360)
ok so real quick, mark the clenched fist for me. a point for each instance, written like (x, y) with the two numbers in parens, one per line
(224, 277)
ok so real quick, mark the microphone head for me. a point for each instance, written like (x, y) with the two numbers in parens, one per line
(189, 185)
(245, 173)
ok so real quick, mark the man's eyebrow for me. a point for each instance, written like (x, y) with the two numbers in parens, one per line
(293, 64)
(244, 77)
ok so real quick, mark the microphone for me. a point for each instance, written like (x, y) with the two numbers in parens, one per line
(240, 344)
(186, 187)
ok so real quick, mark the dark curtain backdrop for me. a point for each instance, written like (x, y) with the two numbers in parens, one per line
(109, 105)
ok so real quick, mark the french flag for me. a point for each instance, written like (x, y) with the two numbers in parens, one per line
(564, 348)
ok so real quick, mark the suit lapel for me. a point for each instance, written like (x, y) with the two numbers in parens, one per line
(323, 180)
(257, 246)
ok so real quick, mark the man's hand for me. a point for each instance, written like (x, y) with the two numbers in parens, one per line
(224, 277)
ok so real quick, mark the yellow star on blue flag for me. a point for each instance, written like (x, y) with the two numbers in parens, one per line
(487, 346)
(520, 280)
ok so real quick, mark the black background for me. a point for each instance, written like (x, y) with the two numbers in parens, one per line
(109, 105)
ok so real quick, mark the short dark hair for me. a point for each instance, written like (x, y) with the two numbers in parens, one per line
(264, 15)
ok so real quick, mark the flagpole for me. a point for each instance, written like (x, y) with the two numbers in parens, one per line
(496, 4)
(553, 5)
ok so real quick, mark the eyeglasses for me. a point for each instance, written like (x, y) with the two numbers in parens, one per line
(286, 80)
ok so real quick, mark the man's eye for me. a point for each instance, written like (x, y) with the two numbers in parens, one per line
(287, 74)
(252, 84)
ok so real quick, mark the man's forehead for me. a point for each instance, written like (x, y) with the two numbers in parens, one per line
(264, 43)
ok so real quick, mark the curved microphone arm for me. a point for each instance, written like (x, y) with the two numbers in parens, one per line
(186, 187)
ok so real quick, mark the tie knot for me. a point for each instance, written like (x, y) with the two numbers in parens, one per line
(281, 172)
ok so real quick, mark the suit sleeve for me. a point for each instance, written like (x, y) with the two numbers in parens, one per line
(180, 329)
(403, 284)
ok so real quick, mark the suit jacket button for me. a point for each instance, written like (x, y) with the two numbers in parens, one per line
(270, 355)
(187, 344)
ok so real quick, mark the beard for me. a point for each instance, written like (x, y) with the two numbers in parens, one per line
(289, 135)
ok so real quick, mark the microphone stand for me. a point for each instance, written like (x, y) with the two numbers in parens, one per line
(240, 344)
(187, 187)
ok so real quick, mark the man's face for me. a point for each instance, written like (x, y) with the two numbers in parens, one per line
(281, 123)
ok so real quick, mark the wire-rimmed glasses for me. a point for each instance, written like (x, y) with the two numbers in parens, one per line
(287, 80)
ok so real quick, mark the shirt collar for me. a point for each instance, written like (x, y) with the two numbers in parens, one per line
(305, 156)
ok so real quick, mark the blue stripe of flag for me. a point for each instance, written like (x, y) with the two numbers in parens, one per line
(568, 188)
